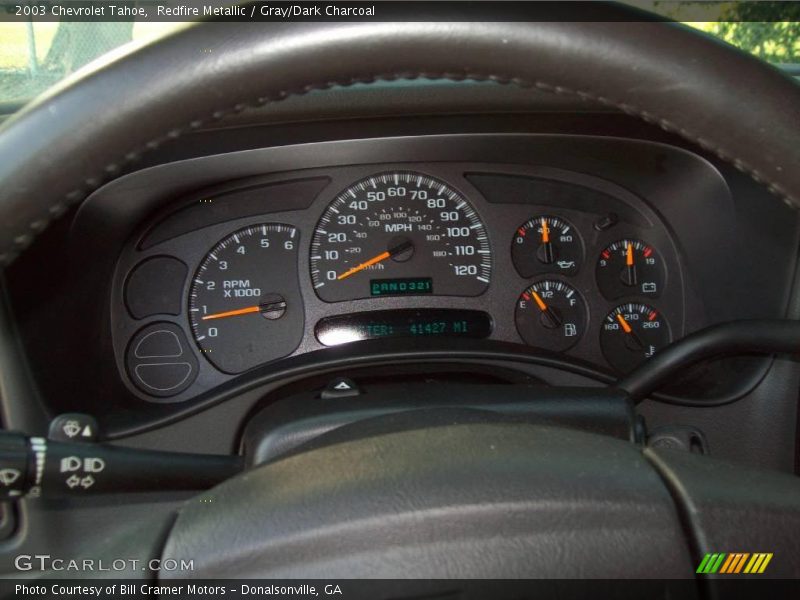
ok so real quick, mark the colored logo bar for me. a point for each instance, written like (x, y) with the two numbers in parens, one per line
(733, 563)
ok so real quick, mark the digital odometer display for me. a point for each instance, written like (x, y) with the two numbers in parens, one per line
(343, 329)
(399, 226)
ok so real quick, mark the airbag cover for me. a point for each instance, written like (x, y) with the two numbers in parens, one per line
(463, 500)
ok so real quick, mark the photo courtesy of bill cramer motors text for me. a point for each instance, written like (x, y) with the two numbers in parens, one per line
(189, 589)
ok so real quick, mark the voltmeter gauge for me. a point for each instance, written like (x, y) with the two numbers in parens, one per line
(630, 267)
(631, 334)
(546, 244)
(551, 314)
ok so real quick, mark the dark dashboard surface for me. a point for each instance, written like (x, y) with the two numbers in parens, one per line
(145, 237)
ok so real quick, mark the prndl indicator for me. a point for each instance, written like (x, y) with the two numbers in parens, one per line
(409, 286)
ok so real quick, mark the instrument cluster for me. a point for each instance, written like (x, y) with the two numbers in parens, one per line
(563, 263)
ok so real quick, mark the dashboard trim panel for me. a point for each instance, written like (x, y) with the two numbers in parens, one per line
(639, 174)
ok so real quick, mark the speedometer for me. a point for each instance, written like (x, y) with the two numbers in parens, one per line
(399, 233)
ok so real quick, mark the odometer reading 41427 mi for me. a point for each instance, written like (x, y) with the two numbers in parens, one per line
(399, 234)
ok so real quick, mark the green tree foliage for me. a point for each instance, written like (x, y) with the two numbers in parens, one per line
(769, 30)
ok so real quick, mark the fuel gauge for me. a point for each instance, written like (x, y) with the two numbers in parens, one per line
(550, 314)
(546, 244)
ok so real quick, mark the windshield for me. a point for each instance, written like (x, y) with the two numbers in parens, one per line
(35, 54)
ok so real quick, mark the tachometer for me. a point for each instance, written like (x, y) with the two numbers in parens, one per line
(399, 233)
(244, 304)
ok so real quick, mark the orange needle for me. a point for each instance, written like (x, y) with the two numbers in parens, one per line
(540, 302)
(372, 261)
(545, 232)
(629, 255)
(625, 327)
(232, 313)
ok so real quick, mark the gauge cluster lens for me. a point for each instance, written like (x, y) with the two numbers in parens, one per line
(399, 234)
(365, 254)
(630, 267)
(631, 334)
(547, 244)
(551, 314)
(245, 307)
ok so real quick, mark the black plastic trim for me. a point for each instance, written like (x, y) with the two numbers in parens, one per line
(763, 336)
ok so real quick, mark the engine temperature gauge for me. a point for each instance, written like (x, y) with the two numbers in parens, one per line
(550, 314)
(631, 334)
(630, 267)
(546, 244)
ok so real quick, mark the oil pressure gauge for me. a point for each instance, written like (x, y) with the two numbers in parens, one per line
(631, 334)
(550, 314)
(630, 267)
(546, 244)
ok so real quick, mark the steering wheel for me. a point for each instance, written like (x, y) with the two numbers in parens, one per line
(454, 493)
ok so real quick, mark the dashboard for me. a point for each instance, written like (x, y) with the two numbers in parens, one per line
(448, 241)
(430, 243)
(560, 262)
(262, 269)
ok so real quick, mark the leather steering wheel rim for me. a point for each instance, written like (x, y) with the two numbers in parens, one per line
(69, 142)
